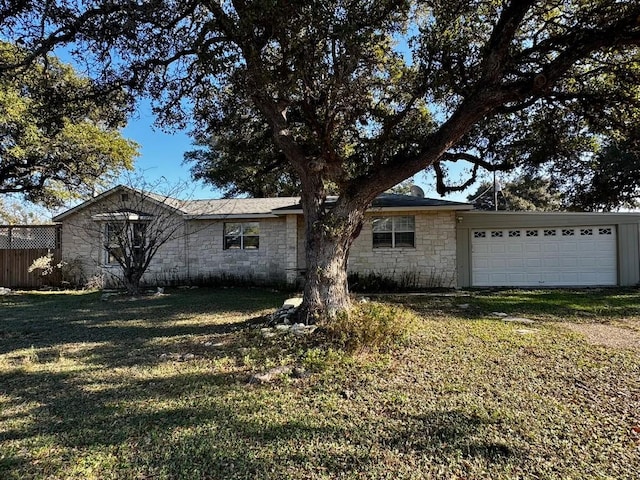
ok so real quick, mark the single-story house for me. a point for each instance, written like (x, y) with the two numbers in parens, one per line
(420, 241)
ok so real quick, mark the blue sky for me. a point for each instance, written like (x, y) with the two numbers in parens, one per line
(162, 153)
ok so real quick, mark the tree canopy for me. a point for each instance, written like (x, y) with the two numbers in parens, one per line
(605, 181)
(359, 95)
(524, 193)
(13, 212)
(60, 132)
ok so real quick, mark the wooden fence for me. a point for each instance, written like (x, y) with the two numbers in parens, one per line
(20, 245)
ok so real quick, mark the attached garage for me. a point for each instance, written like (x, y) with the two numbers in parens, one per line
(509, 249)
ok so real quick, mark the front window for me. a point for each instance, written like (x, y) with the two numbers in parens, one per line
(394, 232)
(122, 239)
(242, 236)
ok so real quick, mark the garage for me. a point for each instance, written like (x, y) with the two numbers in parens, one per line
(547, 249)
(550, 256)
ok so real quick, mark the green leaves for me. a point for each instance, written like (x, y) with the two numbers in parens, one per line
(59, 131)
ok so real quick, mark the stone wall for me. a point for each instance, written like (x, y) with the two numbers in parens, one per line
(197, 251)
(82, 240)
(432, 263)
(208, 258)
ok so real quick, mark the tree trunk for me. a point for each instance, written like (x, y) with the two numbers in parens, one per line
(329, 235)
(131, 280)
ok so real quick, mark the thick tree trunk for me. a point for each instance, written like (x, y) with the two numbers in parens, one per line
(329, 235)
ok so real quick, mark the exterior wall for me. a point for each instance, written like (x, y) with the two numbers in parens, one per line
(197, 249)
(627, 226)
(82, 240)
(432, 263)
(207, 257)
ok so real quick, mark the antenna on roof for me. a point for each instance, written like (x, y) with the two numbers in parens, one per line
(416, 191)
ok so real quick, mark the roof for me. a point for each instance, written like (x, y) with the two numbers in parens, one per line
(267, 207)
(236, 206)
(393, 201)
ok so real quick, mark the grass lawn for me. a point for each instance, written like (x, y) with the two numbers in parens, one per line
(158, 388)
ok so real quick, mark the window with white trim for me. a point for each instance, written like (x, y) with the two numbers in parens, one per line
(242, 236)
(394, 232)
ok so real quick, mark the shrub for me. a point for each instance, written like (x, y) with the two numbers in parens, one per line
(45, 265)
(405, 281)
(371, 326)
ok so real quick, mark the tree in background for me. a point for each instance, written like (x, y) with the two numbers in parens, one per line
(525, 193)
(359, 95)
(60, 132)
(13, 212)
(236, 154)
(606, 181)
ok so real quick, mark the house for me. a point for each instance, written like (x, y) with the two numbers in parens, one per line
(425, 242)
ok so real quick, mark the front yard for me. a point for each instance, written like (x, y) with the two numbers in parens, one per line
(164, 387)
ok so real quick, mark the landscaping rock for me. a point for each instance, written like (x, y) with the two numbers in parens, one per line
(285, 313)
(525, 321)
(302, 329)
(269, 375)
(5, 291)
(526, 331)
(292, 302)
(499, 314)
(267, 333)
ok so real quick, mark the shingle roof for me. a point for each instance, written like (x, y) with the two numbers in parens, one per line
(270, 206)
(392, 200)
(235, 206)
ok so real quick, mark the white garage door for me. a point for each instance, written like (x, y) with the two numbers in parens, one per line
(525, 257)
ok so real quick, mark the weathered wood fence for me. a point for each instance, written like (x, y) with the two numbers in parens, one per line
(20, 245)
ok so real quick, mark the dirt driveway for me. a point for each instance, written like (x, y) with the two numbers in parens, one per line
(608, 335)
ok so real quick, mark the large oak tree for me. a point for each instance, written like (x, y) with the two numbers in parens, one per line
(358, 95)
(59, 132)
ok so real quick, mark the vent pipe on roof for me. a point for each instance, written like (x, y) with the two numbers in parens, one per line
(416, 191)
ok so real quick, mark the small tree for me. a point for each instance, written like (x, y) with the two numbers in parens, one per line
(134, 223)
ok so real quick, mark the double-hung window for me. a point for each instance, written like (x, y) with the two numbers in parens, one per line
(242, 236)
(394, 232)
(123, 239)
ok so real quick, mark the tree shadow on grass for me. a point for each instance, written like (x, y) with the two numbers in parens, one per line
(601, 304)
(452, 432)
(214, 425)
(45, 321)
(142, 417)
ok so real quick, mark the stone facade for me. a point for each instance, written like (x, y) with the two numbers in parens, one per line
(83, 238)
(197, 251)
(208, 258)
(431, 263)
